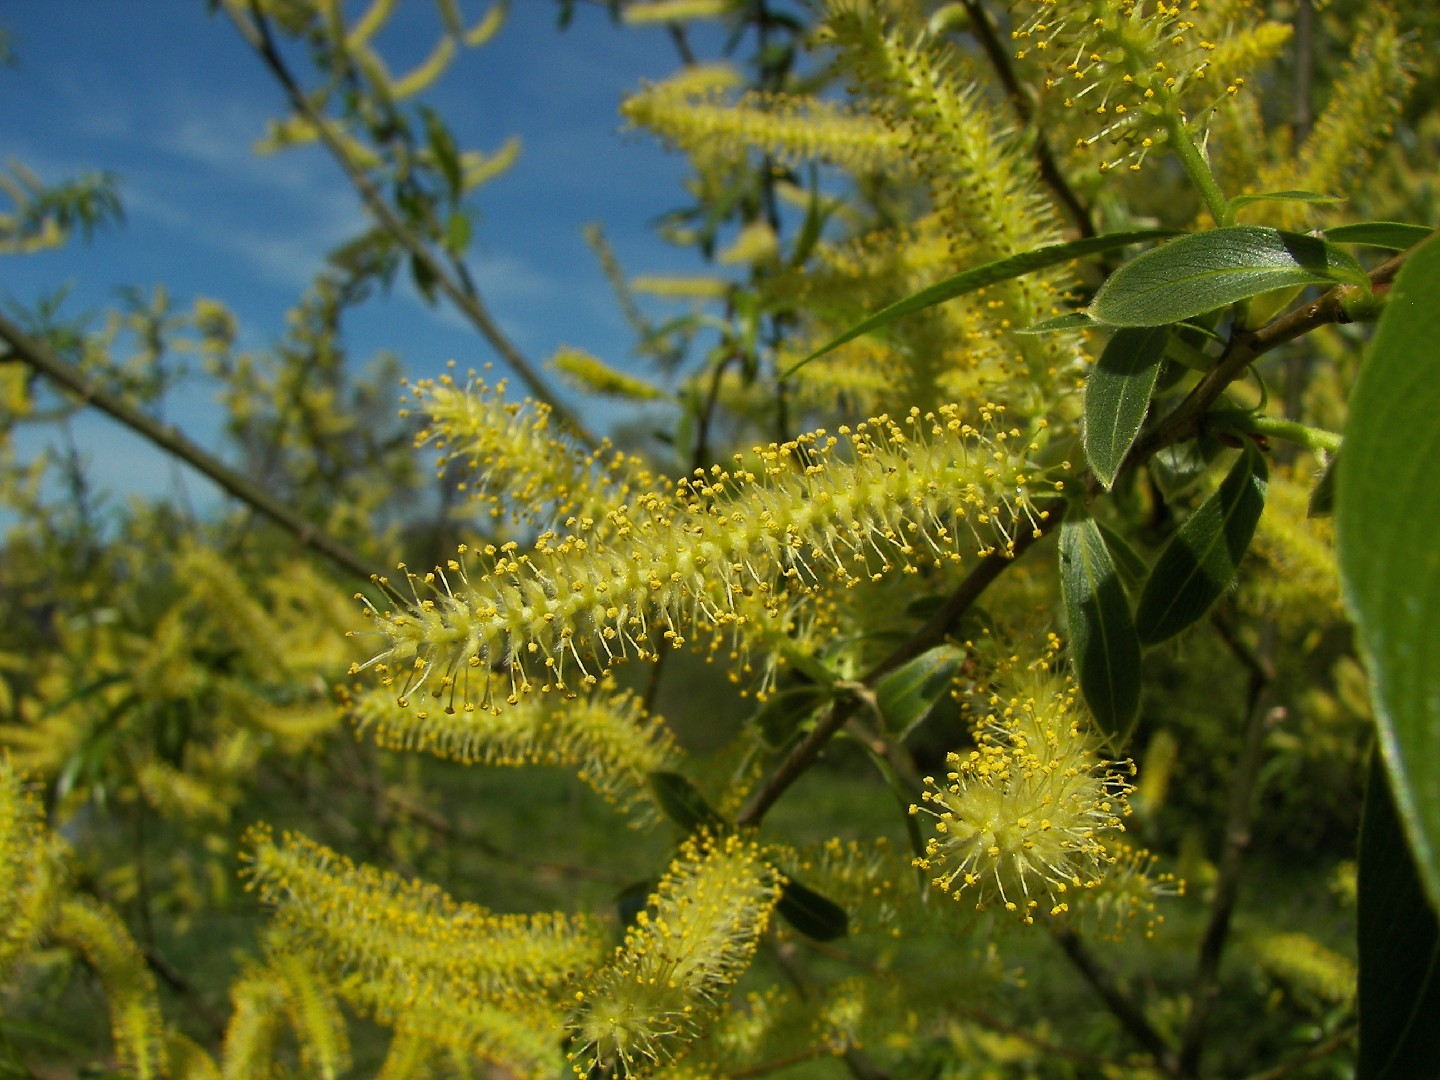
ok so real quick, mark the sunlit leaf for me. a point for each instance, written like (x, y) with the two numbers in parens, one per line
(1200, 272)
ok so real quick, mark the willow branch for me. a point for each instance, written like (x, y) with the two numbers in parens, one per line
(1237, 839)
(1116, 1000)
(807, 751)
(1247, 346)
(257, 34)
(168, 438)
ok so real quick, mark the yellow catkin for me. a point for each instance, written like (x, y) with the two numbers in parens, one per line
(1027, 818)
(97, 934)
(721, 549)
(27, 871)
(609, 739)
(679, 959)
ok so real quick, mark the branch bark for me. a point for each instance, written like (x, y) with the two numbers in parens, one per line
(168, 438)
(256, 32)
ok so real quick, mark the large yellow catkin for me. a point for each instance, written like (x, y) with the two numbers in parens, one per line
(720, 550)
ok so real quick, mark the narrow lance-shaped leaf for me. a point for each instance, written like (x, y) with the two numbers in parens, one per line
(1117, 393)
(1201, 559)
(1284, 196)
(1398, 940)
(968, 281)
(1391, 235)
(779, 718)
(682, 803)
(1204, 271)
(815, 916)
(1131, 567)
(1322, 495)
(1103, 645)
(1060, 324)
(1387, 506)
(908, 693)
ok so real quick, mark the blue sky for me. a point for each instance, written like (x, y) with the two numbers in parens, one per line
(171, 100)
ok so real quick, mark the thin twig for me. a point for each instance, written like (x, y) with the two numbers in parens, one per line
(169, 439)
(257, 34)
(1313, 1053)
(1237, 839)
(1116, 1000)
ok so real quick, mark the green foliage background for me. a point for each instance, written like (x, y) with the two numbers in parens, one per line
(823, 757)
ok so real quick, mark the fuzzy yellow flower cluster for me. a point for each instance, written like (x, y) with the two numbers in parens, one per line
(512, 459)
(27, 873)
(710, 118)
(679, 959)
(407, 954)
(1025, 818)
(1126, 63)
(609, 739)
(722, 551)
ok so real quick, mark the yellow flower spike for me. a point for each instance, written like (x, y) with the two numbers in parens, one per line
(701, 117)
(608, 739)
(518, 466)
(482, 984)
(28, 873)
(137, 1027)
(1115, 44)
(727, 553)
(673, 972)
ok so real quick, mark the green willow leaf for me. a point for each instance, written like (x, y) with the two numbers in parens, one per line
(1284, 196)
(679, 800)
(978, 277)
(1071, 320)
(1200, 561)
(1398, 940)
(1103, 645)
(1387, 510)
(815, 916)
(1117, 393)
(1322, 495)
(780, 717)
(1391, 235)
(1204, 271)
(1128, 563)
(908, 693)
